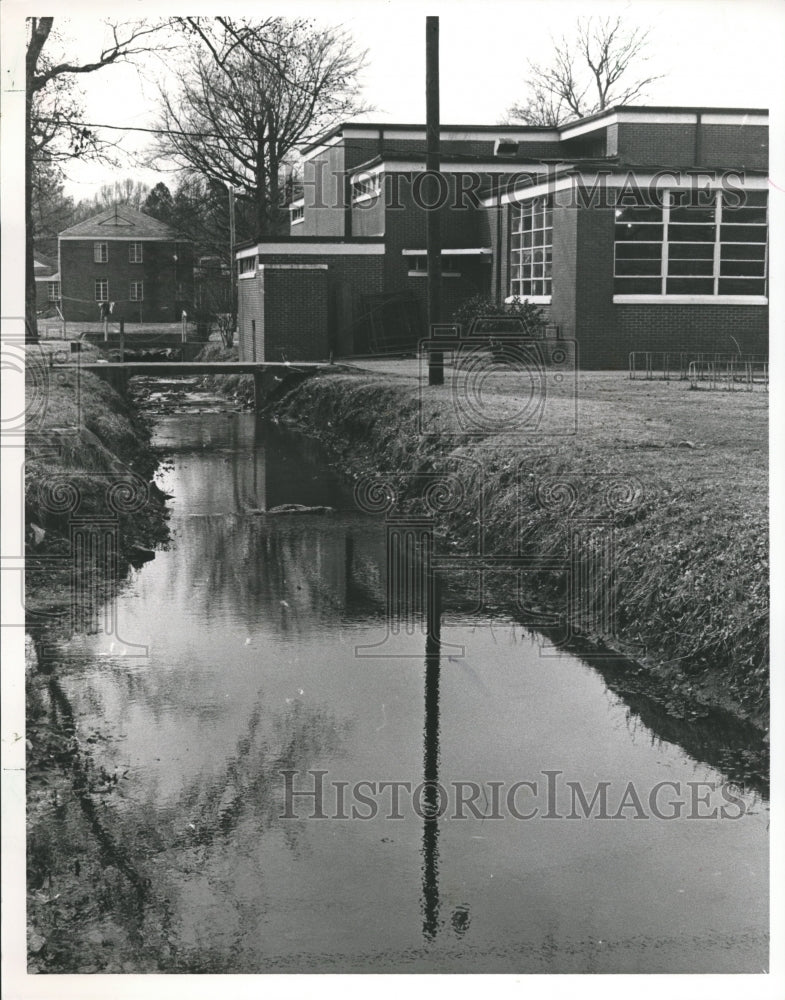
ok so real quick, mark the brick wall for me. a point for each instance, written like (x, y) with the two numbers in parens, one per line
(406, 225)
(732, 146)
(159, 271)
(323, 194)
(673, 145)
(295, 321)
(594, 316)
(736, 146)
(250, 318)
(338, 297)
(706, 328)
(565, 254)
(368, 217)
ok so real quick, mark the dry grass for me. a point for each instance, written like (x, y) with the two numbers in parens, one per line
(84, 434)
(691, 561)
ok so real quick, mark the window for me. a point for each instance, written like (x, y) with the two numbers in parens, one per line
(100, 253)
(247, 265)
(135, 253)
(418, 265)
(137, 291)
(101, 290)
(54, 291)
(531, 248)
(696, 243)
(297, 212)
(366, 188)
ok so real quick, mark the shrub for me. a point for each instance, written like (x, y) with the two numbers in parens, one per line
(481, 305)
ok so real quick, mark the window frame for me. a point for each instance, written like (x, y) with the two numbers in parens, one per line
(135, 256)
(55, 292)
(366, 188)
(698, 254)
(132, 294)
(246, 266)
(450, 265)
(98, 296)
(100, 252)
(539, 210)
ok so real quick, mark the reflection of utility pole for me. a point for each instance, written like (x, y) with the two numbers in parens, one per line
(430, 835)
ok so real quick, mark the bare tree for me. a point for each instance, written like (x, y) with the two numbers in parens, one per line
(249, 94)
(602, 65)
(53, 132)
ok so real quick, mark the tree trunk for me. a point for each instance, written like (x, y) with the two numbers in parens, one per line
(31, 320)
(260, 180)
(272, 155)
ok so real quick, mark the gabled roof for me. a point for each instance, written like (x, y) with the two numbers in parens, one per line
(120, 222)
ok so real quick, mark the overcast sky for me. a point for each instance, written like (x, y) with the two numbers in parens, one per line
(710, 52)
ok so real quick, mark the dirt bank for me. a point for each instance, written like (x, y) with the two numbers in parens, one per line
(682, 476)
(89, 464)
(88, 457)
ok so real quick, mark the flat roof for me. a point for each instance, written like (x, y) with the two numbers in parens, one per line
(294, 240)
(534, 129)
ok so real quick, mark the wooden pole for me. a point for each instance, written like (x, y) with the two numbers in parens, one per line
(232, 261)
(433, 217)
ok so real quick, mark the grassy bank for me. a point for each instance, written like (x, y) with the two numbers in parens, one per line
(691, 543)
(89, 456)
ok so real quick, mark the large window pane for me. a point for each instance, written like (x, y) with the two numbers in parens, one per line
(742, 215)
(637, 286)
(742, 286)
(693, 214)
(694, 267)
(630, 251)
(743, 234)
(645, 232)
(739, 267)
(626, 267)
(742, 251)
(689, 286)
(640, 214)
(691, 251)
(679, 232)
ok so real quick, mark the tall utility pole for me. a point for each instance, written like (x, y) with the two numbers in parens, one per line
(232, 261)
(433, 218)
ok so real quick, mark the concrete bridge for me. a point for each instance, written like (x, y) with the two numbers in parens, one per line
(266, 374)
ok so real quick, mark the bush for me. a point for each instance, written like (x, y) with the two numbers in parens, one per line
(481, 305)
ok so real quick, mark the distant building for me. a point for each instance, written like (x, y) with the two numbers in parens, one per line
(47, 283)
(638, 228)
(137, 265)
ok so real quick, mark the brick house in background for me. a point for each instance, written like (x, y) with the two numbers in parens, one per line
(125, 257)
(633, 229)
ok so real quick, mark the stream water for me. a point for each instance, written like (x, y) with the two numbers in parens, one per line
(237, 669)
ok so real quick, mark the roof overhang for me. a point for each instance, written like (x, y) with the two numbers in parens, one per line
(305, 246)
(617, 177)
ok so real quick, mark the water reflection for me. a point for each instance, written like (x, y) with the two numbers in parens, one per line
(252, 622)
(430, 837)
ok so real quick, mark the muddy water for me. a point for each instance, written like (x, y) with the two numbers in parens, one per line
(236, 668)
